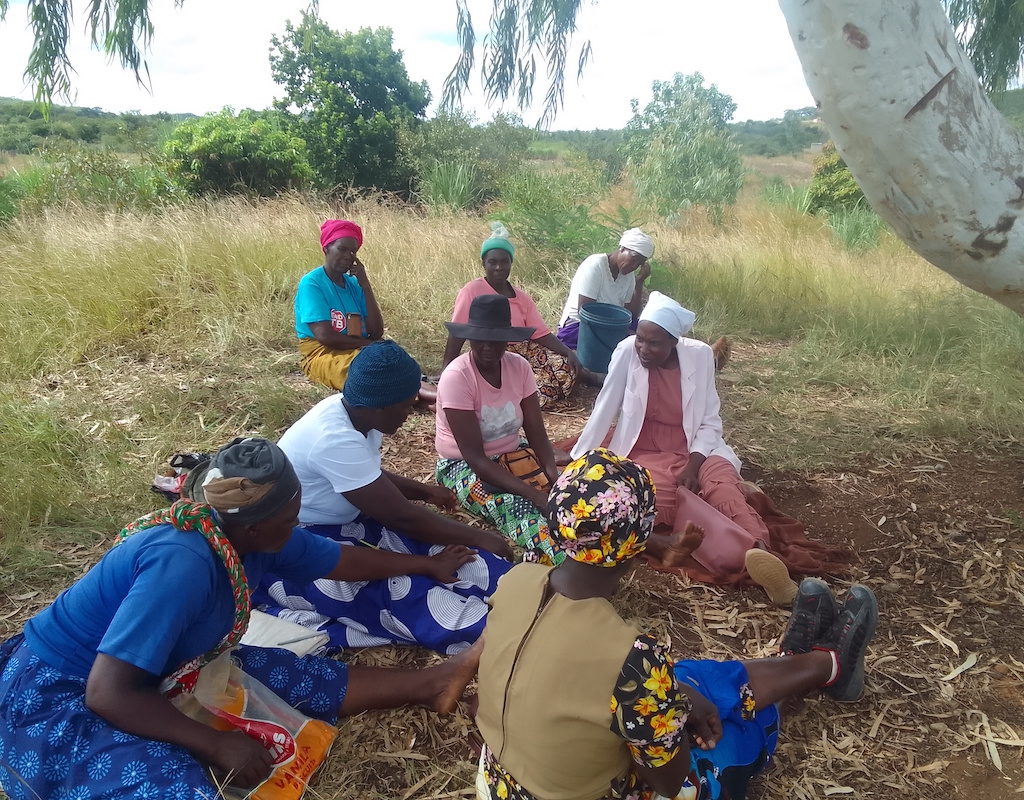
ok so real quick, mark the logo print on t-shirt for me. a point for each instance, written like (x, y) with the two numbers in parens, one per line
(338, 321)
(497, 422)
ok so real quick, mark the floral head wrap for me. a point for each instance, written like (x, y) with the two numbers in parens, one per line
(601, 509)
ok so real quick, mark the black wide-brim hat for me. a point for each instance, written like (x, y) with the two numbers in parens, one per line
(490, 320)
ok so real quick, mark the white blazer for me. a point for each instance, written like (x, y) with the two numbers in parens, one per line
(624, 395)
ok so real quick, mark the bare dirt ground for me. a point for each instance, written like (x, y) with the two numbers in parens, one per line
(938, 535)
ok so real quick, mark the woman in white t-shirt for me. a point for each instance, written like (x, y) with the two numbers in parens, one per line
(616, 278)
(484, 399)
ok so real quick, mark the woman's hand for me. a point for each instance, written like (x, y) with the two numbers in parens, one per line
(494, 542)
(444, 564)
(689, 478)
(240, 760)
(574, 363)
(441, 497)
(539, 498)
(643, 273)
(358, 270)
(703, 722)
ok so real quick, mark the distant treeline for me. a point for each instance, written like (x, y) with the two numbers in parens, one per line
(795, 132)
(24, 127)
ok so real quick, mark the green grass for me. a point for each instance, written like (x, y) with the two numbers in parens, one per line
(449, 187)
(857, 228)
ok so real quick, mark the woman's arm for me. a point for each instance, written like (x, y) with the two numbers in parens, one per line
(127, 697)
(689, 478)
(537, 436)
(374, 319)
(452, 350)
(383, 501)
(636, 302)
(414, 490)
(554, 344)
(465, 428)
(359, 563)
(324, 333)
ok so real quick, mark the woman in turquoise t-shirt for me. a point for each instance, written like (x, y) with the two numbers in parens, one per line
(336, 312)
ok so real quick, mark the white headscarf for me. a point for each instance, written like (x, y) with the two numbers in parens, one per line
(664, 311)
(638, 241)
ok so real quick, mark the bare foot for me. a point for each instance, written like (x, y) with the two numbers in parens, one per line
(454, 675)
(427, 393)
(722, 350)
(674, 549)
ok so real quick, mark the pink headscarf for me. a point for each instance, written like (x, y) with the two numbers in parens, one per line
(334, 229)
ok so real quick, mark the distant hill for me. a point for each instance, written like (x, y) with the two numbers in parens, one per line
(24, 127)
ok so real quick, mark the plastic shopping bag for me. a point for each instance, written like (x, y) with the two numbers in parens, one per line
(225, 697)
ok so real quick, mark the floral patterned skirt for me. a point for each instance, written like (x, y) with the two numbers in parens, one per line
(516, 517)
(555, 380)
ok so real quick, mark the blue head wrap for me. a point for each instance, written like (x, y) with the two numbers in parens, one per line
(381, 375)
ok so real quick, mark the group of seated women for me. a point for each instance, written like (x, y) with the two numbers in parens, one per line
(573, 703)
(657, 405)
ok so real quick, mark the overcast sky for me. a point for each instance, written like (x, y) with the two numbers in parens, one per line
(213, 53)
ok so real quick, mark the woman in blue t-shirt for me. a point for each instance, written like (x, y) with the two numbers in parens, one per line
(84, 709)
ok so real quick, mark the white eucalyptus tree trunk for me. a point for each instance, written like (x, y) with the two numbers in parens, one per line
(934, 157)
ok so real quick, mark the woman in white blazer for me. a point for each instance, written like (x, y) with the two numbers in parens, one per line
(660, 394)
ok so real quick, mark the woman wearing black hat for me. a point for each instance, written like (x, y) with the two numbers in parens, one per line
(485, 398)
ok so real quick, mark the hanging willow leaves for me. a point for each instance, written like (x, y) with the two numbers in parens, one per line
(524, 37)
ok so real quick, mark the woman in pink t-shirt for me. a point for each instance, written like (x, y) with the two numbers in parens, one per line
(555, 366)
(484, 399)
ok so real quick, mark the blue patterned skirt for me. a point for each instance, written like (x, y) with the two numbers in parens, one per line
(53, 747)
(408, 609)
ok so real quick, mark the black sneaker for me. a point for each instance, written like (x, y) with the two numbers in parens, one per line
(849, 637)
(814, 611)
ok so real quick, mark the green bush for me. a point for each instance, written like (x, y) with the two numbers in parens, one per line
(349, 97)
(449, 186)
(554, 210)
(833, 187)
(681, 152)
(72, 175)
(776, 192)
(11, 192)
(496, 150)
(858, 228)
(251, 153)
